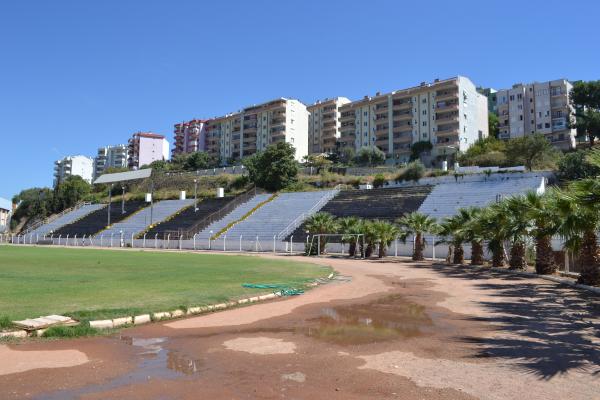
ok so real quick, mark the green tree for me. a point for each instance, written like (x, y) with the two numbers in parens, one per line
(384, 233)
(417, 224)
(541, 210)
(34, 203)
(490, 222)
(69, 192)
(516, 225)
(485, 152)
(473, 233)
(158, 166)
(418, 148)
(533, 151)
(453, 228)
(575, 166)
(369, 156)
(321, 223)
(350, 227)
(585, 97)
(199, 160)
(493, 125)
(274, 168)
(347, 155)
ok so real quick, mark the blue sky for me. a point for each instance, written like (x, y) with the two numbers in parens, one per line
(75, 75)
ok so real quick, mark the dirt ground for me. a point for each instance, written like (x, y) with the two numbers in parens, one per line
(385, 330)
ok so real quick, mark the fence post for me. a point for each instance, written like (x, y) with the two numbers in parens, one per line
(144, 241)
(180, 241)
(319, 245)
(241, 243)
(156, 241)
(66, 240)
(396, 247)
(194, 241)
(168, 240)
(224, 242)
(132, 241)
(274, 244)
(292, 244)
(256, 244)
(433, 248)
(111, 239)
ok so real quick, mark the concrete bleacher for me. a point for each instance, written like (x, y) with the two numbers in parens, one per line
(287, 210)
(96, 221)
(446, 198)
(65, 219)
(188, 217)
(233, 216)
(139, 222)
(383, 203)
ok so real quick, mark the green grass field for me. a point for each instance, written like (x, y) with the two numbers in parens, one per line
(96, 284)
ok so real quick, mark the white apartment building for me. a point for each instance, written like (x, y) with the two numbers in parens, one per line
(5, 214)
(238, 135)
(539, 107)
(190, 137)
(450, 114)
(324, 125)
(145, 148)
(110, 157)
(73, 165)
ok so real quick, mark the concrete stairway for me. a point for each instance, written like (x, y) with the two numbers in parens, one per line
(233, 216)
(139, 221)
(288, 210)
(66, 219)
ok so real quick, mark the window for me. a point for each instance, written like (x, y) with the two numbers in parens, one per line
(512, 97)
(520, 118)
(424, 123)
(539, 126)
(366, 114)
(424, 101)
(546, 125)
(424, 112)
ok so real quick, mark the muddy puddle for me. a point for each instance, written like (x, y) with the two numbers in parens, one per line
(388, 318)
(157, 363)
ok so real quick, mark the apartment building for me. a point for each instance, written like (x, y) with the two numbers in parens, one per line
(324, 125)
(190, 137)
(5, 214)
(241, 134)
(145, 148)
(450, 114)
(491, 95)
(110, 157)
(539, 107)
(73, 166)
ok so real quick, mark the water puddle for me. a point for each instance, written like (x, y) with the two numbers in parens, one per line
(385, 319)
(157, 363)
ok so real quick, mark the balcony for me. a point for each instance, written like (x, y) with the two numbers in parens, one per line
(446, 94)
(446, 106)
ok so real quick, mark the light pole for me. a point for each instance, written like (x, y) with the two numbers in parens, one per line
(109, 200)
(195, 195)
(123, 200)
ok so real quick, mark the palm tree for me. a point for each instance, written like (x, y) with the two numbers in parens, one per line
(453, 227)
(490, 222)
(542, 211)
(472, 233)
(385, 233)
(579, 209)
(516, 224)
(321, 223)
(370, 238)
(350, 227)
(417, 224)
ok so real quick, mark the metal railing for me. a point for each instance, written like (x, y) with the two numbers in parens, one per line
(299, 219)
(54, 217)
(215, 216)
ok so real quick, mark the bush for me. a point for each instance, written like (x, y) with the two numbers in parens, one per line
(575, 166)
(369, 156)
(379, 180)
(413, 172)
(240, 182)
(491, 159)
(83, 329)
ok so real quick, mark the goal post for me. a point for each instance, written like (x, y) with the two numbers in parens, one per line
(336, 243)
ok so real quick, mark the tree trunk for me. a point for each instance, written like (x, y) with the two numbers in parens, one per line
(419, 245)
(498, 259)
(449, 255)
(369, 250)
(459, 254)
(590, 260)
(476, 253)
(544, 256)
(382, 248)
(352, 249)
(517, 256)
